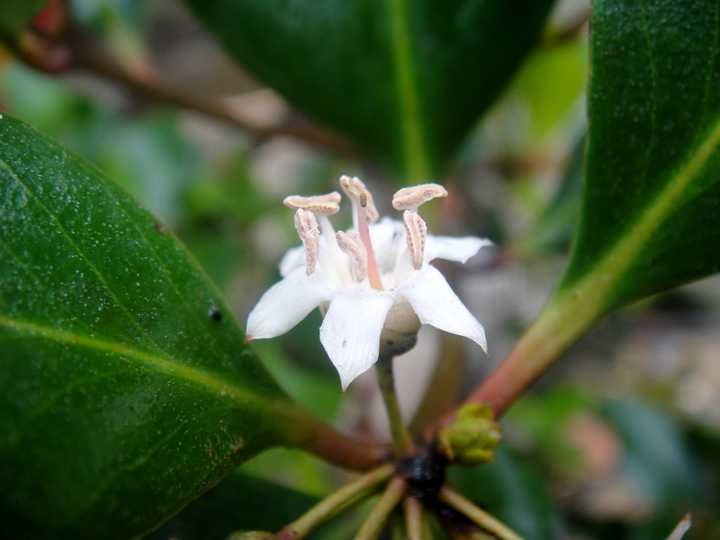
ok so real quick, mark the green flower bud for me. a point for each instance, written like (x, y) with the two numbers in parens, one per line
(471, 438)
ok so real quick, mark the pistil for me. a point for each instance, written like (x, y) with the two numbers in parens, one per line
(364, 230)
(363, 211)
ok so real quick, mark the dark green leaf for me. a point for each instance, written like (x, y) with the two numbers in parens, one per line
(125, 387)
(405, 80)
(651, 207)
(239, 503)
(15, 14)
(650, 217)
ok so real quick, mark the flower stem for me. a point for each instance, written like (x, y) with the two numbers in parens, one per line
(466, 507)
(335, 503)
(559, 325)
(386, 381)
(413, 518)
(372, 527)
(311, 434)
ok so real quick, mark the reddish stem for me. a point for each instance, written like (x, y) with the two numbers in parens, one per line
(339, 449)
(560, 324)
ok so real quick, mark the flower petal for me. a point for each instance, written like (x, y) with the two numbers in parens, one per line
(387, 237)
(451, 248)
(293, 258)
(351, 330)
(436, 304)
(286, 303)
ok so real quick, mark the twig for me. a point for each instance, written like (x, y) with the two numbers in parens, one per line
(79, 51)
(413, 518)
(374, 523)
(90, 57)
(386, 381)
(334, 447)
(335, 503)
(466, 507)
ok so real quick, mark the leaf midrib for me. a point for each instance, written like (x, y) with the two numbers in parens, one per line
(414, 143)
(69, 239)
(601, 279)
(161, 364)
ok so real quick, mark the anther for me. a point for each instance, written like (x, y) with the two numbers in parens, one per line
(410, 198)
(416, 229)
(324, 205)
(351, 243)
(359, 193)
(307, 227)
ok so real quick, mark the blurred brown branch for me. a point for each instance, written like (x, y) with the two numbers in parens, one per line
(90, 58)
(75, 49)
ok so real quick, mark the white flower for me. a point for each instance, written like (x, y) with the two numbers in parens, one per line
(374, 283)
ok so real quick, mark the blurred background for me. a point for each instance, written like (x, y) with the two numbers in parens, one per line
(618, 440)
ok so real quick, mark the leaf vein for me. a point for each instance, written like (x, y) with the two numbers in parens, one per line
(414, 145)
(65, 233)
(159, 363)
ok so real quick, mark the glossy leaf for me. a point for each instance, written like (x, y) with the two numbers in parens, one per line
(16, 13)
(650, 217)
(651, 206)
(405, 80)
(125, 386)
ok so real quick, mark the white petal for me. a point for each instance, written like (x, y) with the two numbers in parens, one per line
(286, 303)
(388, 236)
(293, 258)
(351, 330)
(436, 304)
(453, 248)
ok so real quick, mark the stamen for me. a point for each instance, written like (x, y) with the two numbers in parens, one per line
(410, 198)
(323, 205)
(351, 244)
(416, 229)
(307, 227)
(356, 189)
(363, 211)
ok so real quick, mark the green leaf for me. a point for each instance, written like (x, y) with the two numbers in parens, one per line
(406, 80)
(650, 217)
(125, 387)
(241, 502)
(651, 207)
(16, 14)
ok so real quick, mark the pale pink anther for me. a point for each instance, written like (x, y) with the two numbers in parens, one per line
(309, 232)
(416, 230)
(351, 243)
(410, 198)
(356, 189)
(324, 205)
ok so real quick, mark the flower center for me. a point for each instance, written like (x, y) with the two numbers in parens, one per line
(311, 218)
(363, 211)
